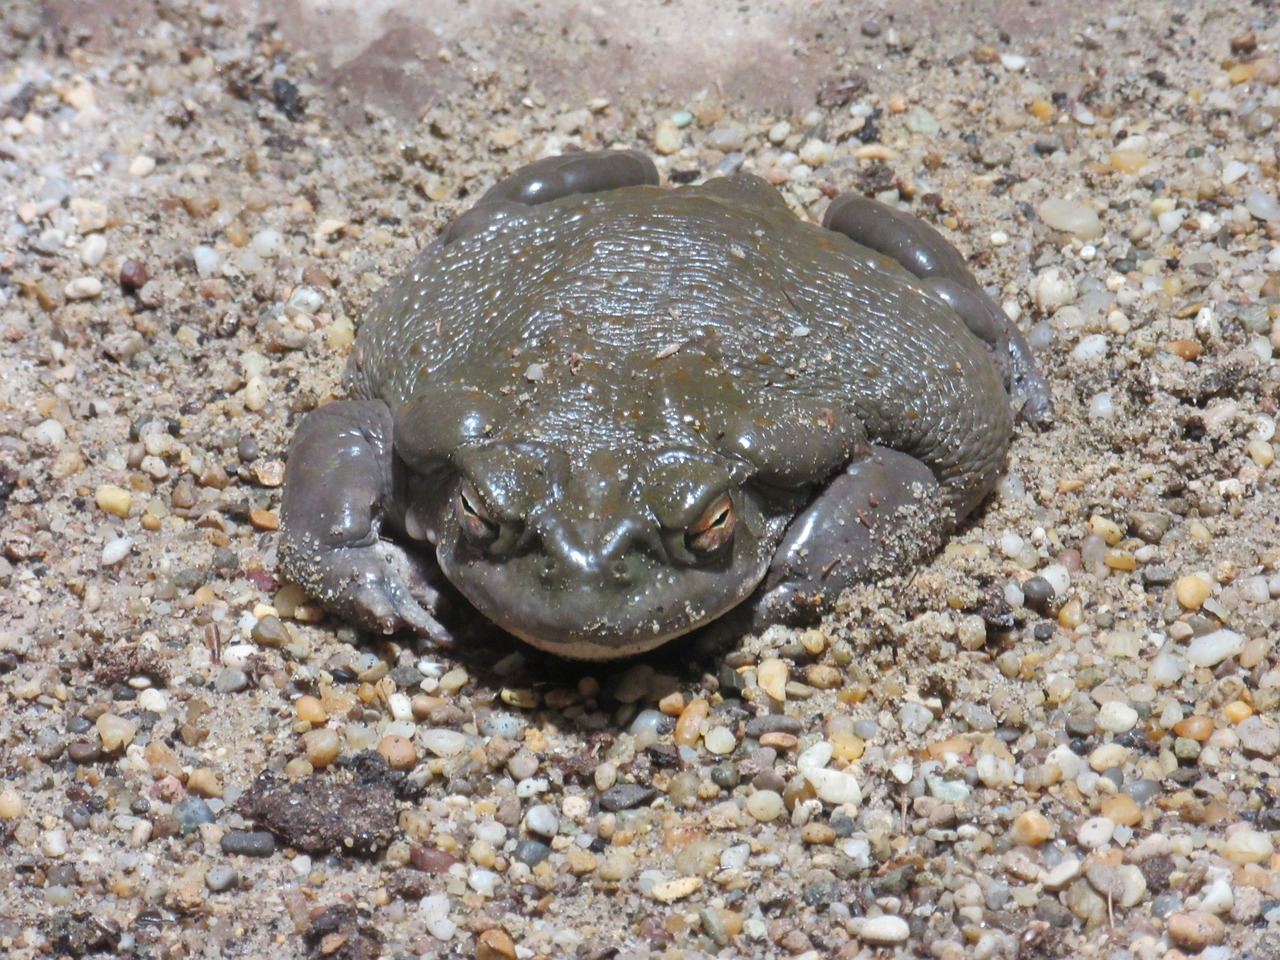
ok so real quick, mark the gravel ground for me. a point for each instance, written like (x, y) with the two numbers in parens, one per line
(1057, 739)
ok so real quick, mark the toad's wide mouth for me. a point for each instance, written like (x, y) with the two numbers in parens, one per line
(593, 620)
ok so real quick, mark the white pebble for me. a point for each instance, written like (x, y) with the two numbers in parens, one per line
(142, 165)
(542, 820)
(48, 433)
(116, 550)
(1262, 205)
(1264, 428)
(1102, 406)
(1062, 875)
(1069, 216)
(1168, 667)
(1095, 832)
(1090, 348)
(1053, 289)
(1117, 717)
(267, 243)
(835, 786)
(443, 743)
(720, 741)
(886, 929)
(815, 757)
(93, 249)
(153, 700)
(994, 771)
(1059, 577)
(1171, 220)
(1013, 62)
(83, 288)
(1211, 649)
(401, 706)
(1232, 171)
(208, 261)
(483, 882)
(815, 152)
(1217, 896)
(1011, 544)
(1066, 760)
(735, 857)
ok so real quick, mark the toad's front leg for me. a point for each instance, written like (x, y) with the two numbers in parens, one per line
(337, 498)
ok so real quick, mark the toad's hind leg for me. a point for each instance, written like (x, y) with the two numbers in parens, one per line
(927, 254)
(883, 513)
(554, 178)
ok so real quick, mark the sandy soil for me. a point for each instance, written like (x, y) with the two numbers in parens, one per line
(1056, 739)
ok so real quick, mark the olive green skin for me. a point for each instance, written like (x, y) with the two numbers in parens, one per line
(596, 369)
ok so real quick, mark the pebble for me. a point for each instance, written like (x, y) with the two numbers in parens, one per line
(532, 852)
(322, 746)
(1192, 590)
(1095, 832)
(231, 680)
(1117, 717)
(1030, 829)
(765, 805)
(772, 675)
(1262, 205)
(624, 796)
(667, 137)
(445, 743)
(398, 751)
(720, 741)
(1258, 737)
(113, 499)
(884, 930)
(1248, 846)
(248, 843)
(1195, 930)
(221, 877)
(115, 732)
(542, 819)
(1211, 649)
(1069, 216)
(191, 813)
(1063, 874)
(267, 243)
(11, 804)
(93, 249)
(83, 288)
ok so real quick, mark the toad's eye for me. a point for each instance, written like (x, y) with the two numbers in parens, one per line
(712, 531)
(474, 519)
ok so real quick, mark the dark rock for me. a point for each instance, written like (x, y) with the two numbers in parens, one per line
(624, 796)
(249, 843)
(532, 852)
(322, 813)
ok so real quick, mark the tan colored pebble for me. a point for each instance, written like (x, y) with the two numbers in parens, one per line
(1128, 161)
(269, 473)
(113, 500)
(689, 726)
(1107, 756)
(1119, 559)
(814, 642)
(1122, 809)
(264, 519)
(203, 782)
(495, 944)
(779, 740)
(1237, 710)
(398, 752)
(1196, 727)
(1192, 591)
(772, 675)
(116, 732)
(677, 889)
(1072, 614)
(847, 746)
(1041, 109)
(310, 709)
(11, 805)
(580, 861)
(1261, 452)
(1195, 930)
(1030, 829)
(454, 680)
(672, 704)
(322, 746)
(823, 676)
(816, 833)
(764, 805)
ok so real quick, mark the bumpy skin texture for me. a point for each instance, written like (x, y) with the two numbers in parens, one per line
(609, 412)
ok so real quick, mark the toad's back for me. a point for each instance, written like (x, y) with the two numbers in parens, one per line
(587, 303)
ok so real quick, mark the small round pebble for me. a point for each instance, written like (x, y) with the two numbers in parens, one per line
(221, 877)
(542, 820)
(884, 930)
(765, 805)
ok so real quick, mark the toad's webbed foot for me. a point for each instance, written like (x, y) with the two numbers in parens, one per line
(880, 515)
(333, 508)
(925, 253)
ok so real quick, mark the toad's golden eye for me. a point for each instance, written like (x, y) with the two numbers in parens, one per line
(714, 529)
(473, 518)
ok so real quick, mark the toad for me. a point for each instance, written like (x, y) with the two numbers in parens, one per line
(609, 412)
